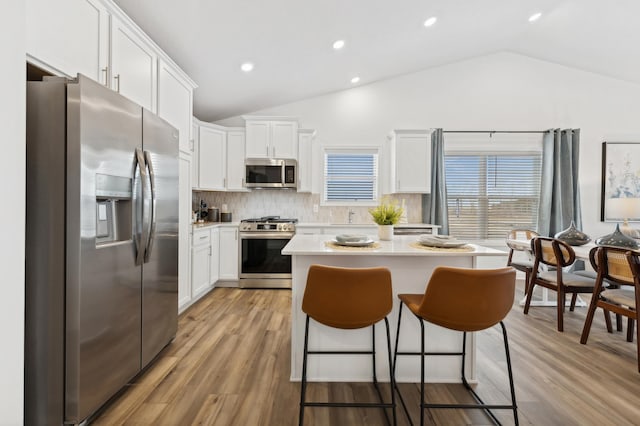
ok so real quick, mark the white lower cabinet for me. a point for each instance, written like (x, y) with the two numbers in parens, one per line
(214, 257)
(200, 262)
(229, 247)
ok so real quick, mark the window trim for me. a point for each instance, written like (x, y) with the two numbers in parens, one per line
(353, 149)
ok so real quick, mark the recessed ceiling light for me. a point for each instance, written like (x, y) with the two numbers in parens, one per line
(246, 67)
(355, 79)
(338, 44)
(535, 17)
(429, 22)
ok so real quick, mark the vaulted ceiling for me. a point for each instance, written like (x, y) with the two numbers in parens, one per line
(290, 41)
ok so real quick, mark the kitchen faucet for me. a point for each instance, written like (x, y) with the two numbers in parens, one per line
(351, 213)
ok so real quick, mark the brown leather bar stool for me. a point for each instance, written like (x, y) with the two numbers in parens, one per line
(465, 300)
(348, 298)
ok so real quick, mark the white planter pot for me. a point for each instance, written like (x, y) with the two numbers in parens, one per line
(385, 232)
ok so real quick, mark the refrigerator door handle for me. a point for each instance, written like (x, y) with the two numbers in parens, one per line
(152, 222)
(139, 177)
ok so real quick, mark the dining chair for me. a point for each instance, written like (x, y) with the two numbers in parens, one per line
(487, 298)
(556, 254)
(348, 299)
(621, 268)
(523, 265)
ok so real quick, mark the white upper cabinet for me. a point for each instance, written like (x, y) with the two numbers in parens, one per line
(410, 161)
(235, 159)
(195, 175)
(305, 160)
(175, 102)
(79, 43)
(271, 137)
(212, 158)
(133, 66)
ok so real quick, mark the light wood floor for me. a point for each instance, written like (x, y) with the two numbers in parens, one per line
(229, 365)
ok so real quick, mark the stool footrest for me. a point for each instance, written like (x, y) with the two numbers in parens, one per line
(481, 407)
(431, 353)
(339, 352)
(349, 404)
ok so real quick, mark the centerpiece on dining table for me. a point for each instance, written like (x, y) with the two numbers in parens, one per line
(385, 215)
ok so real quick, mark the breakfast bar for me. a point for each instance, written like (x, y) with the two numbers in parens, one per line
(411, 265)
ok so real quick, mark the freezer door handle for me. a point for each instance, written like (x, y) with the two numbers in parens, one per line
(139, 178)
(152, 222)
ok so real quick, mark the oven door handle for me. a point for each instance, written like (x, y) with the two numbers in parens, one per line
(266, 235)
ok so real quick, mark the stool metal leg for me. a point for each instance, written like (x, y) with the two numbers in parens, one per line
(381, 404)
(303, 382)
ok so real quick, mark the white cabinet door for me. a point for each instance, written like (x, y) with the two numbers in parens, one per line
(229, 253)
(410, 161)
(184, 232)
(257, 139)
(195, 178)
(79, 43)
(175, 102)
(214, 258)
(200, 270)
(134, 66)
(235, 160)
(284, 139)
(305, 163)
(212, 159)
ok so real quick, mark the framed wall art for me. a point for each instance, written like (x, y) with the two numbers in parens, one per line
(620, 178)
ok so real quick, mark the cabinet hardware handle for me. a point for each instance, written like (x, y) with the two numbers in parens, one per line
(242, 182)
(274, 151)
(117, 79)
(105, 70)
(267, 150)
(203, 237)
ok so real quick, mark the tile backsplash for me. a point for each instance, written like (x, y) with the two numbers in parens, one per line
(291, 204)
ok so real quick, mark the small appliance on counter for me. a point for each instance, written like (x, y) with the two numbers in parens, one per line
(213, 214)
(225, 214)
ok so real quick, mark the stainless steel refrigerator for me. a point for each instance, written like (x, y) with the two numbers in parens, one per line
(101, 246)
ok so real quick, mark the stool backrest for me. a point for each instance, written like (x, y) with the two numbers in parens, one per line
(468, 299)
(552, 252)
(347, 297)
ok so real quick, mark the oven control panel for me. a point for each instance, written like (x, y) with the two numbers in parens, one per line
(267, 227)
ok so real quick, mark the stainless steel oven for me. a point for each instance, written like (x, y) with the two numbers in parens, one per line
(262, 264)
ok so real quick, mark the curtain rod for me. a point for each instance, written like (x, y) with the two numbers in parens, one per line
(494, 131)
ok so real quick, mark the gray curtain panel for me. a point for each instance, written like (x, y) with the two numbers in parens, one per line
(434, 205)
(559, 190)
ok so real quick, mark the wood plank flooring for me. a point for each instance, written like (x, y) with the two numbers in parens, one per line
(229, 365)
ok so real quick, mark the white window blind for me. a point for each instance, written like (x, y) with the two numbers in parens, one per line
(350, 176)
(489, 194)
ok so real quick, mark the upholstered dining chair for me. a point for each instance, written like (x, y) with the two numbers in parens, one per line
(488, 298)
(558, 255)
(523, 265)
(347, 299)
(621, 268)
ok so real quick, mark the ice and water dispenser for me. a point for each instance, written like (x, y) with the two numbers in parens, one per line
(114, 214)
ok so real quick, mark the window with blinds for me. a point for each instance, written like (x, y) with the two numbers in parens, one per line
(350, 176)
(489, 194)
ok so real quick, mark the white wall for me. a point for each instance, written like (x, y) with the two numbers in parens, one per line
(503, 91)
(12, 213)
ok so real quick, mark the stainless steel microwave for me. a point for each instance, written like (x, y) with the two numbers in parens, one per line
(271, 173)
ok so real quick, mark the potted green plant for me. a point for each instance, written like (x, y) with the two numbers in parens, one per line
(385, 215)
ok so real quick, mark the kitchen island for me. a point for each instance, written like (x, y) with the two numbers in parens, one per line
(411, 266)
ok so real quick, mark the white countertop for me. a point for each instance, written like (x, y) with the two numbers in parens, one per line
(203, 225)
(368, 225)
(400, 246)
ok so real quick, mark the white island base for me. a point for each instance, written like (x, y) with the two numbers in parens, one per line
(410, 271)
